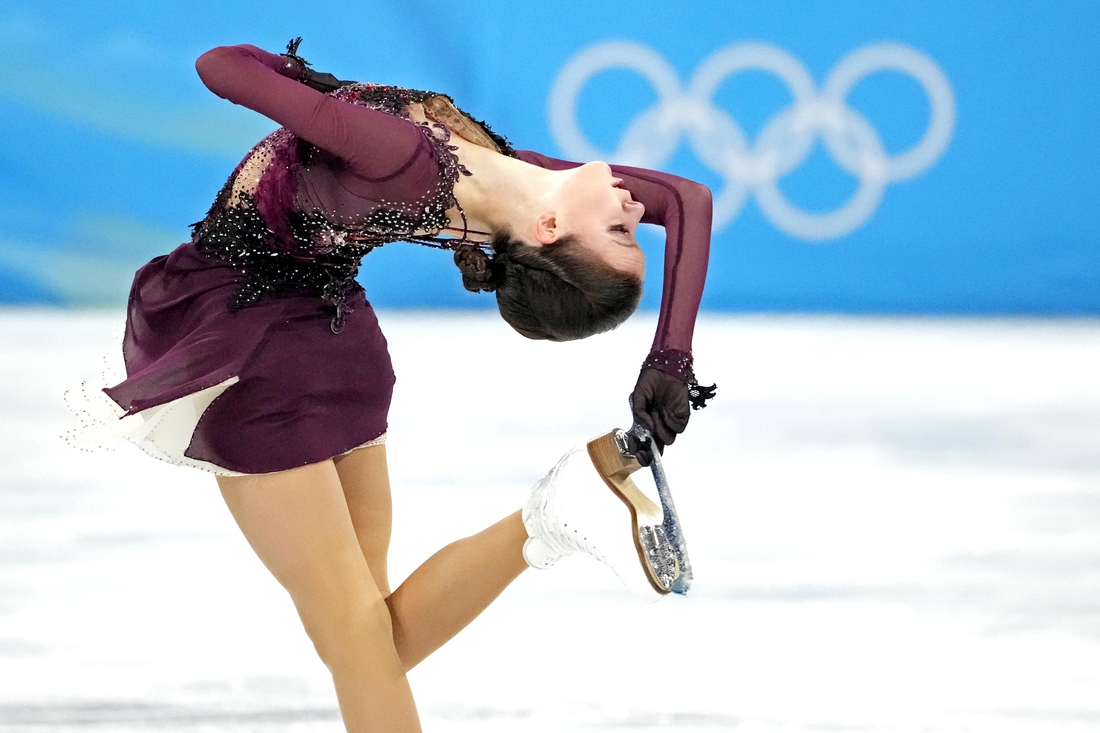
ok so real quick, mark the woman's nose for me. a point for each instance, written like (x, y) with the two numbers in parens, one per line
(601, 166)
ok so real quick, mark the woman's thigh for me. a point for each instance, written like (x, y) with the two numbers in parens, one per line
(298, 523)
(365, 479)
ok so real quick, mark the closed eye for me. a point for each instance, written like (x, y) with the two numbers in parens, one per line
(629, 241)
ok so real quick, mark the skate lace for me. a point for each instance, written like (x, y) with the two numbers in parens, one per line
(551, 529)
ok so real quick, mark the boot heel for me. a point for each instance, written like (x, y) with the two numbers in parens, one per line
(615, 465)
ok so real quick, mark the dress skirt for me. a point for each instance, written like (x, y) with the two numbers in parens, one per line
(261, 389)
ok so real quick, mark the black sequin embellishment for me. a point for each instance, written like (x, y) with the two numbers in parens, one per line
(322, 256)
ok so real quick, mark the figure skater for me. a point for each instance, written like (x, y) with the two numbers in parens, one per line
(252, 353)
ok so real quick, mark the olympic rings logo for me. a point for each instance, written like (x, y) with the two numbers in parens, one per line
(784, 142)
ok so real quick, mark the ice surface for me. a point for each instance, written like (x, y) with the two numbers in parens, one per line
(894, 526)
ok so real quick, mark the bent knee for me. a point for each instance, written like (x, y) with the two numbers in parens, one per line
(349, 628)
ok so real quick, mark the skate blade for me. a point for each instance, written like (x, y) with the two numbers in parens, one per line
(654, 551)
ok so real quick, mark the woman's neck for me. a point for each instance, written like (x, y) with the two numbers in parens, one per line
(502, 192)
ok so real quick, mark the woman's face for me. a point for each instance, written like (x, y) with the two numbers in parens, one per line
(592, 206)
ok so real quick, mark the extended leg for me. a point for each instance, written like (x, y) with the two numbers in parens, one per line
(453, 586)
(299, 524)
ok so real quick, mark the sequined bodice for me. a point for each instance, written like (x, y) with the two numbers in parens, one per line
(294, 215)
(351, 171)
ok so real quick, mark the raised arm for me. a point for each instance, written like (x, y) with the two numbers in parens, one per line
(683, 208)
(375, 145)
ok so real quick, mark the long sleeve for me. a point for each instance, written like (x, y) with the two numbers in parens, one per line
(683, 208)
(375, 145)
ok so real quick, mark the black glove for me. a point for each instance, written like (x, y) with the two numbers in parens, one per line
(660, 403)
(642, 451)
(320, 81)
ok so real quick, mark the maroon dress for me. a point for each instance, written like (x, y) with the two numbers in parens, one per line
(261, 309)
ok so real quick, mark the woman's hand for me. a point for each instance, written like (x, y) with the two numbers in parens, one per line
(322, 82)
(660, 404)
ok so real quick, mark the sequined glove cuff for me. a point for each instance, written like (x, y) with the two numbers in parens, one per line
(679, 364)
(670, 361)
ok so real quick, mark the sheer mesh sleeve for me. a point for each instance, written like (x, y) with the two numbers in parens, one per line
(683, 208)
(375, 145)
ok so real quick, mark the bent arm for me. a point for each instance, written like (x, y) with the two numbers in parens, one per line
(683, 208)
(374, 144)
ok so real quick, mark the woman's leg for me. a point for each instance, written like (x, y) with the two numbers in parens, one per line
(299, 524)
(453, 587)
(448, 591)
(365, 478)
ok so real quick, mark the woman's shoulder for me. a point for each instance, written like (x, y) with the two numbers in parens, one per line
(441, 108)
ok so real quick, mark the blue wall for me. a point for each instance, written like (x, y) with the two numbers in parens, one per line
(112, 145)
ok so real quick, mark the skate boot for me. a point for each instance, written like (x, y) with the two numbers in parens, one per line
(587, 503)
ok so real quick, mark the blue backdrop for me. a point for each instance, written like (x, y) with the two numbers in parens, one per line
(918, 157)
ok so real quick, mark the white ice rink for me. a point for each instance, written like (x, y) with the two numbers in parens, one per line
(894, 525)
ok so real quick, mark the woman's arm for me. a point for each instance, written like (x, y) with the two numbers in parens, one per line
(667, 386)
(683, 208)
(374, 144)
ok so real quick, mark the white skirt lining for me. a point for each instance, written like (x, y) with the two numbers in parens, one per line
(163, 431)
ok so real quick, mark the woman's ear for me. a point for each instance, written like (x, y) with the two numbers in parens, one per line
(546, 228)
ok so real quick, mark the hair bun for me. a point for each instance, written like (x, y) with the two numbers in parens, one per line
(476, 267)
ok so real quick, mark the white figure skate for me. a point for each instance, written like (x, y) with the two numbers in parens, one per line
(588, 503)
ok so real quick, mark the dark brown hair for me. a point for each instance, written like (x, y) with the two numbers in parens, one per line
(557, 292)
